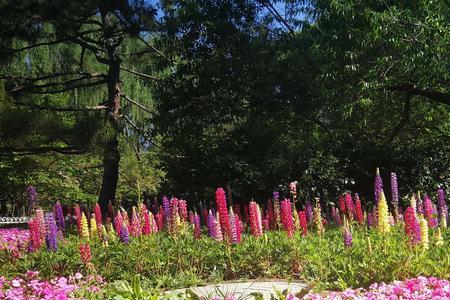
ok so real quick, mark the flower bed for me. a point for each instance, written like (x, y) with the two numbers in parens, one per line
(14, 240)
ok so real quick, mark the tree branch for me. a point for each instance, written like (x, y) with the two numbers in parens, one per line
(403, 121)
(59, 109)
(432, 95)
(138, 104)
(53, 84)
(154, 49)
(8, 151)
(140, 74)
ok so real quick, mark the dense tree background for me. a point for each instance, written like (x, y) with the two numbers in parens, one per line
(251, 94)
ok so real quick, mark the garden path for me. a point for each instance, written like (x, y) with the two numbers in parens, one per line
(242, 290)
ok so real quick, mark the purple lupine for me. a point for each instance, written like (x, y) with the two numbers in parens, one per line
(394, 190)
(309, 211)
(166, 208)
(378, 186)
(124, 235)
(32, 196)
(348, 239)
(52, 232)
(211, 222)
(442, 207)
(369, 220)
(276, 195)
(59, 217)
(197, 229)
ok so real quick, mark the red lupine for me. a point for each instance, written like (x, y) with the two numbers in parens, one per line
(358, 210)
(349, 207)
(85, 253)
(286, 217)
(341, 202)
(255, 225)
(146, 228)
(303, 222)
(221, 203)
(160, 220)
(161, 214)
(35, 238)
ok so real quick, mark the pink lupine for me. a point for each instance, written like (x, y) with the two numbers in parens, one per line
(255, 219)
(233, 227)
(286, 217)
(211, 223)
(154, 222)
(221, 203)
(41, 223)
(182, 210)
(98, 218)
(349, 207)
(118, 223)
(428, 212)
(135, 225)
(238, 227)
(412, 227)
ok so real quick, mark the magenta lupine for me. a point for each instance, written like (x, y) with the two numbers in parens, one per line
(221, 203)
(349, 207)
(412, 227)
(238, 226)
(182, 209)
(32, 197)
(211, 223)
(442, 208)
(378, 186)
(255, 227)
(286, 217)
(191, 217)
(124, 235)
(303, 222)
(59, 216)
(309, 211)
(428, 212)
(197, 231)
(348, 239)
(146, 227)
(52, 232)
(35, 238)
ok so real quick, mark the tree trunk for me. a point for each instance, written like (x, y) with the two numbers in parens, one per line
(111, 157)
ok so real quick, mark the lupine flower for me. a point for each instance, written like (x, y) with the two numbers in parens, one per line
(218, 229)
(341, 203)
(309, 211)
(77, 211)
(135, 227)
(166, 208)
(348, 239)
(276, 212)
(378, 186)
(32, 196)
(442, 208)
(124, 235)
(85, 253)
(296, 219)
(336, 216)
(39, 215)
(191, 217)
(35, 238)
(104, 236)
(174, 217)
(439, 239)
(358, 210)
(221, 203)
(59, 217)
(146, 228)
(93, 227)
(369, 220)
(211, 223)
(428, 212)
(394, 191)
(118, 223)
(286, 217)
(197, 231)
(383, 215)
(238, 227)
(424, 232)
(154, 222)
(255, 219)
(182, 206)
(160, 221)
(98, 218)
(349, 207)
(84, 227)
(111, 233)
(303, 222)
(233, 226)
(52, 232)
(412, 227)
(318, 218)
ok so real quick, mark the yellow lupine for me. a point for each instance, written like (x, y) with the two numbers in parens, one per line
(383, 215)
(439, 239)
(111, 232)
(424, 232)
(84, 227)
(93, 226)
(318, 217)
